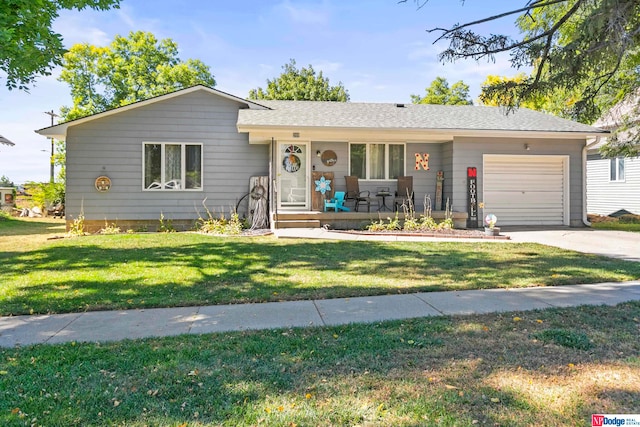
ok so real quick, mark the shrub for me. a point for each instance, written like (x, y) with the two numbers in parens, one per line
(110, 229)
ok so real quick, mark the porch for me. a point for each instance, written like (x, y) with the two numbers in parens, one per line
(348, 220)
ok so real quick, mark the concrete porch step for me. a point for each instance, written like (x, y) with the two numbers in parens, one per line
(297, 223)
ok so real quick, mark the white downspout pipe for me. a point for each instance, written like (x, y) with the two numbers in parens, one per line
(587, 146)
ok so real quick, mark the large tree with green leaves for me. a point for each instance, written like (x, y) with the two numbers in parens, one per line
(439, 92)
(130, 69)
(590, 49)
(29, 47)
(304, 84)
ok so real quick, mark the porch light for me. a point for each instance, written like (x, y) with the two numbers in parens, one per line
(526, 147)
(318, 153)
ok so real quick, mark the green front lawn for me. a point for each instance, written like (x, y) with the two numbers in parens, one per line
(616, 226)
(181, 269)
(547, 368)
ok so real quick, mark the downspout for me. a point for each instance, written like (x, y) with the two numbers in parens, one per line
(585, 219)
(272, 180)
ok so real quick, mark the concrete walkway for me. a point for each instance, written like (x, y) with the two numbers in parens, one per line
(118, 325)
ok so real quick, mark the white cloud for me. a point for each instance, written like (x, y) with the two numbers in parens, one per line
(133, 23)
(75, 29)
(326, 66)
(309, 15)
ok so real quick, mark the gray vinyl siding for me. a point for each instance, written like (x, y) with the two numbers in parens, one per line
(447, 167)
(340, 169)
(424, 182)
(113, 146)
(469, 151)
(604, 196)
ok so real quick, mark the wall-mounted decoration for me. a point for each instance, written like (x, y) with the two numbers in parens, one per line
(323, 185)
(422, 160)
(329, 158)
(472, 193)
(439, 185)
(291, 163)
(103, 183)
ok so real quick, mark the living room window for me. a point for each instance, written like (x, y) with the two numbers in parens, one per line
(616, 169)
(172, 166)
(376, 161)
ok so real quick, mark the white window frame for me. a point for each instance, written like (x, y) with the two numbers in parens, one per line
(183, 165)
(615, 163)
(386, 156)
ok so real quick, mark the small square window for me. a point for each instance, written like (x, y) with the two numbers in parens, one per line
(616, 169)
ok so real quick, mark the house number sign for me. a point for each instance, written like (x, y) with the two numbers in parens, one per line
(472, 197)
(103, 183)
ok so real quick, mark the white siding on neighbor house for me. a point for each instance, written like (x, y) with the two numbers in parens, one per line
(113, 146)
(469, 152)
(604, 196)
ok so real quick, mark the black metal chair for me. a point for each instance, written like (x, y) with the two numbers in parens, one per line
(354, 193)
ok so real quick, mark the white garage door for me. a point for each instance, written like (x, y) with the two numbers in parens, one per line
(527, 190)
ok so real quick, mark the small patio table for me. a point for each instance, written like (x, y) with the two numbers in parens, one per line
(383, 194)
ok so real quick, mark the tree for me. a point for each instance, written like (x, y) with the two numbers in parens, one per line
(29, 47)
(588, 48)
(303, 84)
(559, 103)
(440, 93)
(130, 69)
(5, 181)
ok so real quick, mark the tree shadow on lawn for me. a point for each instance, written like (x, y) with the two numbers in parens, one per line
(29, 227)
(485, 368)
(89, 276)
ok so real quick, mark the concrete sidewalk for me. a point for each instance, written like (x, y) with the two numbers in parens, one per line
(118, 325)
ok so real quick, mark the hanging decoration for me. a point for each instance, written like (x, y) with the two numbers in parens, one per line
(323, 185)
(292, 163)
(103, 183)
(422, 160)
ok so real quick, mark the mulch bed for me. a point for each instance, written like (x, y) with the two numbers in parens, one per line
(449, 234)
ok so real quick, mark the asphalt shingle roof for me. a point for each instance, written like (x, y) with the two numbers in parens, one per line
(390, 116)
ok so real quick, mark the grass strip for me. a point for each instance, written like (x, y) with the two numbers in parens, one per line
(455, 371)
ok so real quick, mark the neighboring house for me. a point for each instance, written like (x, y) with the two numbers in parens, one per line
(613, 184)
(165, 155)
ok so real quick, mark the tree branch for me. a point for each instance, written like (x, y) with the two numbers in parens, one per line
(531, 6)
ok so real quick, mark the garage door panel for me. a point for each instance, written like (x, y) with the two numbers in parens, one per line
(531, 182)
(525, 190)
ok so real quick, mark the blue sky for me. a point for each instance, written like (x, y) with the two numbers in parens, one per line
(379, 50)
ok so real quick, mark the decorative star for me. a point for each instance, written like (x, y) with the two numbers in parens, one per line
(323, 185)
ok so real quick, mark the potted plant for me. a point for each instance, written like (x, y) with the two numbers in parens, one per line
(490, 229)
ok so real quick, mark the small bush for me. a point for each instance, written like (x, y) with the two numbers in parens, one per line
(165, 226)
(565, 338)
(77, 226)
(629, 219)
(110, 228)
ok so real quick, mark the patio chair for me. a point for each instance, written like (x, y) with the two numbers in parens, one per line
(404, 192)
(337, 202)
(354, 193)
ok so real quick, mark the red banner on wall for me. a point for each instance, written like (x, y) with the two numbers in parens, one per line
(472, 197)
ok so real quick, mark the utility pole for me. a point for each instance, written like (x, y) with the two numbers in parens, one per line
(52, 114)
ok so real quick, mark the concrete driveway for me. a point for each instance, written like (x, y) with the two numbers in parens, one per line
(614, 244)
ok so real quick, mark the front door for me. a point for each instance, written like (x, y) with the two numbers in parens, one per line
(293, 181)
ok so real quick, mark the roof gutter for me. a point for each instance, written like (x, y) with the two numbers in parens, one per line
(585, 219)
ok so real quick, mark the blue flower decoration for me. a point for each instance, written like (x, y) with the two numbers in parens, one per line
(323, 185)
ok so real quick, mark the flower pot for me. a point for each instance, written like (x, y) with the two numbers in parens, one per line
(495, 231)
